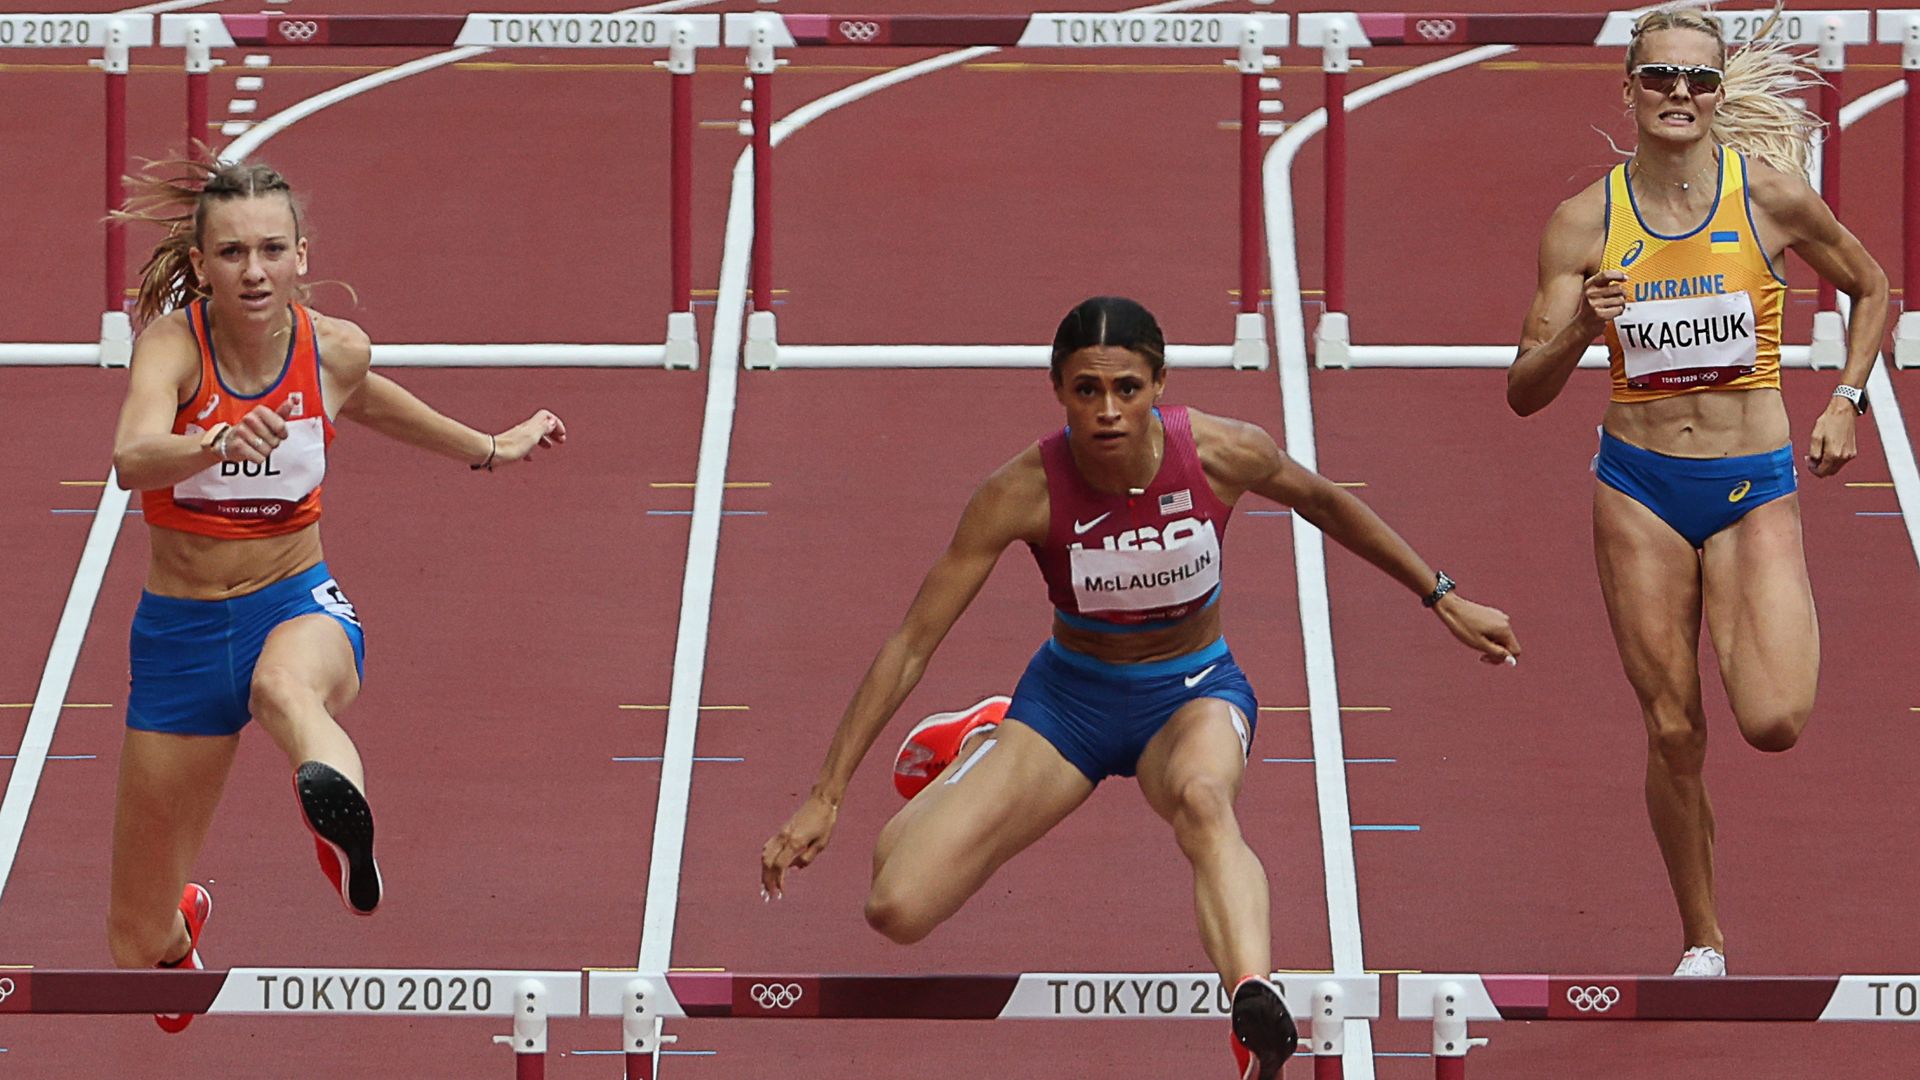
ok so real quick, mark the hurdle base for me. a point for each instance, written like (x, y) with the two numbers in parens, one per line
(1829, 348)
(1249, 341)
(763, 345)
(1906, 339)
(1332, 343)
(683, 342)
(116, 339)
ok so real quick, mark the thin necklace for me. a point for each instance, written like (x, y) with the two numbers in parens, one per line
(1684, 185)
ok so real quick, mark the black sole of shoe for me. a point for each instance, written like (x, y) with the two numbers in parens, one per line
(1264, 1026)
(339, 814)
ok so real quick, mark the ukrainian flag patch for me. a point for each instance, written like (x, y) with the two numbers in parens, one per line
(1724, 243)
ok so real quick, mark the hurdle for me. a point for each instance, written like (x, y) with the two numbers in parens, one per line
(114, 36)
(1336, 34)
(679, 36)
(645, 1001)
(1248, 36)
(529, 997)
(1452, 1001)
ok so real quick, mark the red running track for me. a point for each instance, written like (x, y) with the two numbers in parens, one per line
(1041, 198)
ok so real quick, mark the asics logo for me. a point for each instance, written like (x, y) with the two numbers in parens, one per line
(1080, 529)
(775, 995)
(212, 404)
(1194, 680)
(1593, 998)
(1633, 254)
(1740, 491)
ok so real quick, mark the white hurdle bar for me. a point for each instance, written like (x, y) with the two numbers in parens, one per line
(966, 356)
(647, 1000)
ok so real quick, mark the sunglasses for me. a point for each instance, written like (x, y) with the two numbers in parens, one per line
(1661, 78)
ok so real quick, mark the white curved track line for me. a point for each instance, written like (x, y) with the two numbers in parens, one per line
(256, 136)
(1309, 546)
(1887, 418)
(703, 539)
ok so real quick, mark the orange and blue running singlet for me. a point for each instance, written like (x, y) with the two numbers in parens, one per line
(235, 500)
(1703, 307)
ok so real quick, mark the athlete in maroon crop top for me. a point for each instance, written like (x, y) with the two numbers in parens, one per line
(1124, 510)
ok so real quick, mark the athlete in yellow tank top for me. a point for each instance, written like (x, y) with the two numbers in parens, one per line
(1703, 307)
(1675, 257)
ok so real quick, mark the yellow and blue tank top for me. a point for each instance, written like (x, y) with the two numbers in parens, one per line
(1703, 308)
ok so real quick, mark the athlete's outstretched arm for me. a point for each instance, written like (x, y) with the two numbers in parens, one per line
(390, 409)
(1570, 307)
(1810, 229)
(1000, 512)
(1249, 460)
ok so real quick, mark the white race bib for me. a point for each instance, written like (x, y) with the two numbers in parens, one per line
(1694, 341)
(1144, 578)
(261, 492)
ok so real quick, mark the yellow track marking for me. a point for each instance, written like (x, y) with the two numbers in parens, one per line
(83, 483)
(1870, 483)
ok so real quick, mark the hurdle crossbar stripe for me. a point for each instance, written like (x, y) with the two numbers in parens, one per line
(1132, 29)
(980, 356)
(287, 991)
(493, 30)
(1771, 999)
(1020, 996)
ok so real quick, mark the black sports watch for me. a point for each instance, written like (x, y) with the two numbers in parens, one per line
(1855, 397)
(1441, 588)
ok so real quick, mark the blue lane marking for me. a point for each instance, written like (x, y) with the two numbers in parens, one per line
(52, 757)
(1386, 828)
(1399, 1054)
(1350, 761)
(1268, 513)
(1876, 513)
(723, 513)
(724, 760)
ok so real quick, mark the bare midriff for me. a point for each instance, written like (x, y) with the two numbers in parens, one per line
(1712, 424)
(194, 567)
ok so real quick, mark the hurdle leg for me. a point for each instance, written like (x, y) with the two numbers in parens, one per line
(529, 1038)
(1328, 1032)
(1450, 1041)
(641, 1035)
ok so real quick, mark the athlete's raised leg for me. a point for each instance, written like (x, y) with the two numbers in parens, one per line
(984, 809)
(1760, 614)
(1650, 578)
(304, 678)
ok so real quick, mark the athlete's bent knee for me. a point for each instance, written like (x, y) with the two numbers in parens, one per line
(898, 920)
(1774, 732)
(1203, 810)
(276, 691)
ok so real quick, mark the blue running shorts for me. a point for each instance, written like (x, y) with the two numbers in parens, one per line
(1100, 716)
(1696, 496)
(192, 660)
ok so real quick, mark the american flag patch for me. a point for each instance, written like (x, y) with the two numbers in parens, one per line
(1176, 502)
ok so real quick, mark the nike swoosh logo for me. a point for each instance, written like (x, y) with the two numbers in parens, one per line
(212, 404)
(1194, 680)
(1080, 529)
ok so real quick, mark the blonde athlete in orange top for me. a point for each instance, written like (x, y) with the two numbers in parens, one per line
(1676, 256)
(224, 431)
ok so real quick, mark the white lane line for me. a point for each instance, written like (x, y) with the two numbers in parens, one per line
(1309, 546)
(240, 148)
(703, 542)
(1887, 418)
(55, 677)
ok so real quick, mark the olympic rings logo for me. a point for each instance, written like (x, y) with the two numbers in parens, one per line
(775, 995)
(1435, 29)
(1593, 998)
(6, 989)
(862, 33)
(298, 30)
